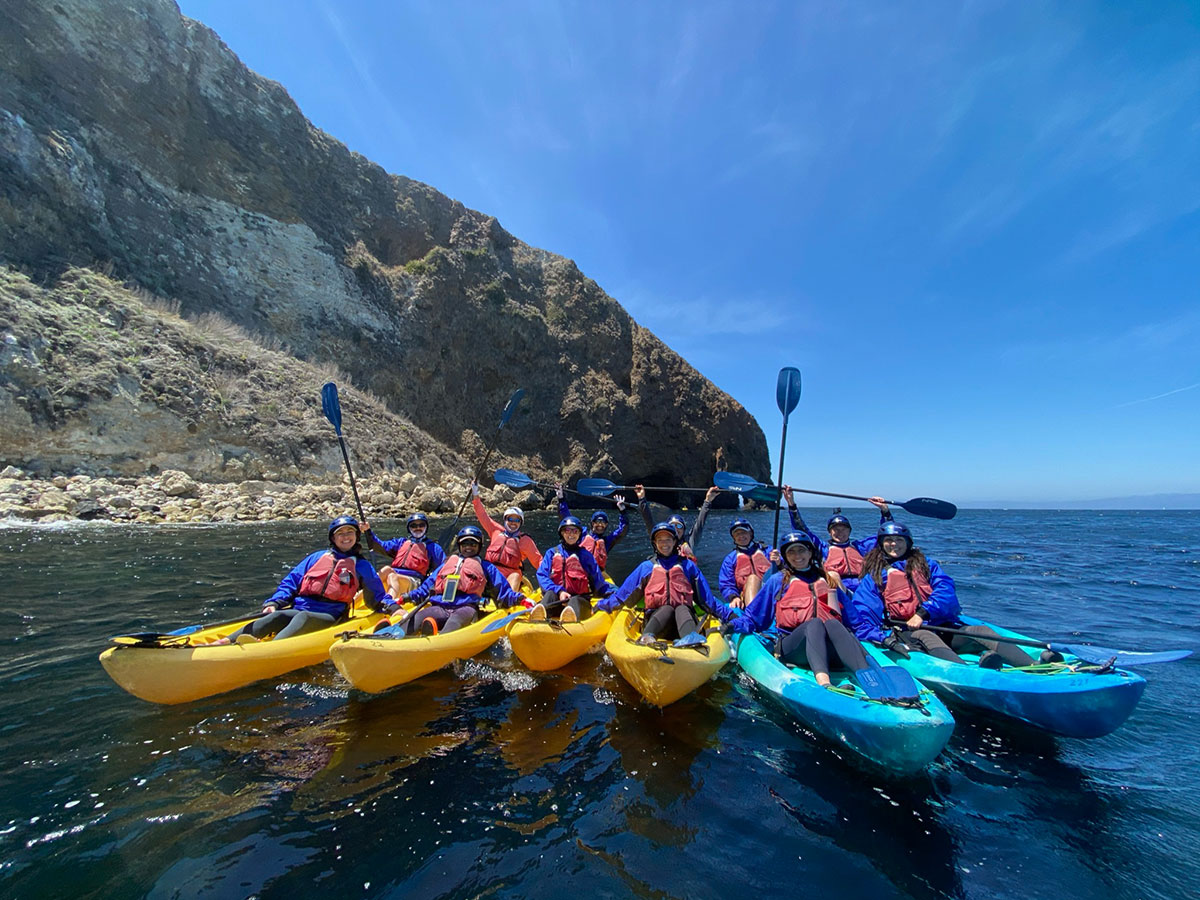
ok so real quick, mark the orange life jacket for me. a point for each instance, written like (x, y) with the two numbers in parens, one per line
(504, 550)
(801, 600)
(899, 599)
(595, 546)
(749, 563)
(844, 559)
(667, 587)
(471, 579)
(412, 556)
(568, 571)
(332, 579)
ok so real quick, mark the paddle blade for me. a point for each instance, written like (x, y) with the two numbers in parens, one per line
(1100, 655)
(736, 482)
(890, 682)
(511, 406)
(331, 406)
(513, 478)
(930, 508)
(787, 390)
(763, 494)
(694, 639)
(503, 623)
(596, 487)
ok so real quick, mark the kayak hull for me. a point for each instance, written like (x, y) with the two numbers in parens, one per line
(545, 646)
(1052, 698)
(659, 682)
(899, 740)
(189, 671)
(376, 664)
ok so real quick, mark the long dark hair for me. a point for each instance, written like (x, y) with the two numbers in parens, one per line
(876, 561)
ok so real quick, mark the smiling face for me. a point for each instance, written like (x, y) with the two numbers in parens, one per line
(664, 543)
(570, 535)
(599, 526)
(840, 533)
(469, 547)
(743, 536)
(894, 545)
(345, 538)
(417, 530)
(799, 556)
(512, 523)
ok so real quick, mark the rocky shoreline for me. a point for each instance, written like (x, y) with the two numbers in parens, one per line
(174, 497)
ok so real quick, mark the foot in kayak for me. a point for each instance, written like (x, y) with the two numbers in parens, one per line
(1049, 656)
(244, 639)
(567, 615)
(991, 660)
(823, 679)
(537, 613)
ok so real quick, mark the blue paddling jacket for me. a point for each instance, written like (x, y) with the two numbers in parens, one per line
(288, 592)
(639, 576)
(497, 587)
(864, 613)
(727, 579)
(545, 572)
(759, 614)
(609, 537)
(437, 556)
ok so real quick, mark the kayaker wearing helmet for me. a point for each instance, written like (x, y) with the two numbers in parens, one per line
(569, 576)
(900, 585)
(840, 556)
(692, 538)
(413, 557)
(798, 603)
(476, 579)
(597, 539)
(743, 570)
(508, 546)
(319, 590)
(671, 585)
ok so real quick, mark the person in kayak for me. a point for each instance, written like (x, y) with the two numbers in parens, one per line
(840, 555)
(597, 539)
(901, 590)
(509, 548)
(569, 577)
(319, 591)
(413, 557)
(743, 570)
(677, 521)
(799, 604)
(671, 585)
(476, 579)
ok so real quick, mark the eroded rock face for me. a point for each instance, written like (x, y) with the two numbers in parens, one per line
(131, 135)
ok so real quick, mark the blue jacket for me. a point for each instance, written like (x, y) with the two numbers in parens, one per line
(497, 587)
(288, 592)
(609, 537)
(864, 612)
(759, 614)
(727, 580)
(437, 556)
(638, 577)
(600, 587)
(863, 546)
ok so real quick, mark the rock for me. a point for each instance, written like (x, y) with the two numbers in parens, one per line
(61, 481)
(90, 509)
(119, 502)
(406, 483)
(178, 484)
(11, 472)
(11, 485)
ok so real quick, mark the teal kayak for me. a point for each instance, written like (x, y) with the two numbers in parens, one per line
(1074, 698)
(900, 739)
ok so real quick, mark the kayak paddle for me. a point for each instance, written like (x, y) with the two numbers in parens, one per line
(918, 506)
(787, 395)
(886, 682)
(332, 408)
(503, 623)
(519, 480)
(1088, 652)
(602, 487)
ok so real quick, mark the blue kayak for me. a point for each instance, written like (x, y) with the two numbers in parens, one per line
(1074, 698)
(899, 739)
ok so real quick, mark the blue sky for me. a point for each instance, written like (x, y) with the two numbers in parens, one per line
(974, 227)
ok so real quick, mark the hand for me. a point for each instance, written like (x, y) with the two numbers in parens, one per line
(788, 496)
(527, 603)
(776, 557)
(892, 642)
(474, 488)
(835, 581)
(640, 492)
(558, 490)
(620, 498)
(391, 608)
(915, 621)
(710, 493)
(269, 608)
(878, 502)
(564, 595)
(364, 527)
(738, 602)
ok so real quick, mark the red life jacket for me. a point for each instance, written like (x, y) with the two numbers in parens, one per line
(568, 571)
(667, 586)
(471, 579)
(332, 579)
(413, 556)
(844, 559)
(595, 546)
(504, 550)
(800, 600)
(899, 599)
(747, 564)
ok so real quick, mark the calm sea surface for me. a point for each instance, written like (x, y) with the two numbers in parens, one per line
(487, 780)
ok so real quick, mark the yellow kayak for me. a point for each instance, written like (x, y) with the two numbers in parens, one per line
(660, 672)
(375, 664)
(543, 646)
(181, 669)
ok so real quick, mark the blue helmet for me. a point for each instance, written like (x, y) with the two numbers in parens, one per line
(469, 533)
(676, 522)
(599, 516)
(415, 518)
(570, 522)
(341, 522)
(836, 519)
(740, 522)
(897, 530)
(668, 528)
(797, 537)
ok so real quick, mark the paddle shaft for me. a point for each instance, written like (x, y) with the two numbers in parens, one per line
(353, 485)
(1028, 642)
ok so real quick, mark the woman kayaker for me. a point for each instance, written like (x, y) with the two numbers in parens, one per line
(671, 585)
(901, 590)
(319, 590)
(569, 577)
(839, 554)
(692, 539)
(508, 546)
(799, 603)
(413, 557)
(476, 579)
(597, 539)
(743, 570)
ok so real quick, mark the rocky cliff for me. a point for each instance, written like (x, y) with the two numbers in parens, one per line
(132, 137)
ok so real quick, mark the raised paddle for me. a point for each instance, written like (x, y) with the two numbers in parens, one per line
(918, 506)
(519, 481)
(332, 408)
(602, 487)
(1088, 652)
(509, 408)
(787, 395)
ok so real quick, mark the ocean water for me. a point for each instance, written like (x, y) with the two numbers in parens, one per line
(486, 780)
